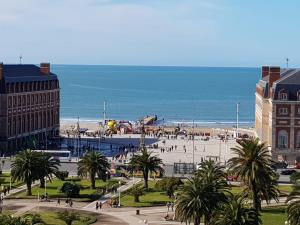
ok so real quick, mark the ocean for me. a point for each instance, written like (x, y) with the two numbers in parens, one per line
(207, 95)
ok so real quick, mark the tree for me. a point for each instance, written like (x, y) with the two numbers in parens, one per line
(146, 163)
(202, 194)
(235, 212)
(169, 185)
(70, 190)
(253, 165)
(136, 191)
(68, 217)
(92, 164)
(25, 168)
(47, 167)
(293, 209)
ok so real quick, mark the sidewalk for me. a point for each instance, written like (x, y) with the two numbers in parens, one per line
(110, 195)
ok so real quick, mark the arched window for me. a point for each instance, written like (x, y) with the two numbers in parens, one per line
(298, 140)
(282, 95)
(283, 139)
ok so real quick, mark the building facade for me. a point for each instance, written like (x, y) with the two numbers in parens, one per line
(29, 106)
(277, 112)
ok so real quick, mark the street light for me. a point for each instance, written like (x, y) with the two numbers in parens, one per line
(119, 194)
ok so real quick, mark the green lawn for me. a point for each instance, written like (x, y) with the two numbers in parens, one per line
(150, 198)
(284, 189)
(6, 181)
(86, 194)
(273, 216)
(50, 218)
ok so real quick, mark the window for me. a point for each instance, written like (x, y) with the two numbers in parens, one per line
(282, 139)
(283, 111)
(282, 95)
(298, 140)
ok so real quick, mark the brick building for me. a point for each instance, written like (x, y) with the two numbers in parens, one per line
(277, 112)
(29, 106)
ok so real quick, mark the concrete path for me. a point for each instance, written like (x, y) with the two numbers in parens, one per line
(123, 188)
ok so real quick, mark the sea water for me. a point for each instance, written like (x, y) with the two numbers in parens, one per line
(204, 95)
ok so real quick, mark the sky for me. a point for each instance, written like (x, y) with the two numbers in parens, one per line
(245, 33)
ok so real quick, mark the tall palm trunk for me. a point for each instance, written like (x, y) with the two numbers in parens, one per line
(42, 182)
(93, 180)
(28, 184)
(145, 174)
(256, 202)
(206, 219)
(197, 221)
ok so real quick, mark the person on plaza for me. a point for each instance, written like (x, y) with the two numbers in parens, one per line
(172, 206)
(100, 205)
(97, 206)
(71, 203)
(58, 201)
(8, 189)
(168, 206)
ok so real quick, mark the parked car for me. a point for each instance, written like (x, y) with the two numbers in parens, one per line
(287, 172)
(297, 166)
(279, 165)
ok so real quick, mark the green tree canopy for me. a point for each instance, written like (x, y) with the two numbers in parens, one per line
(252, 164)
(146, 162)
(92, 164)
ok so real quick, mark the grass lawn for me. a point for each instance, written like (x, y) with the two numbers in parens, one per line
(6, 181)
(150, 198)
(86, 194)
(284, 189)
(50, 218)
(273, 216)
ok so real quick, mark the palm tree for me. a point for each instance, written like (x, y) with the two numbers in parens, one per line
(146, 163)
(235, 212)
(47, 167)
(25, 168)
(202, 194)
(253, 165)
(92, 164)
(293, 209)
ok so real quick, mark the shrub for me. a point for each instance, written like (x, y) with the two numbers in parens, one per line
(295, 177)
(62, 175)
(136, 191)
(70, 190)
(170, 185)
(68, 217)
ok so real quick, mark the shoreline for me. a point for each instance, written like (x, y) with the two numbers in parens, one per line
(170, 123)
(212, 128)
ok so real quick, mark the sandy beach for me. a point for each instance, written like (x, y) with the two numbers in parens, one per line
(180, 149)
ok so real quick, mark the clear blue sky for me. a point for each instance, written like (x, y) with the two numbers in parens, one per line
(151, 32)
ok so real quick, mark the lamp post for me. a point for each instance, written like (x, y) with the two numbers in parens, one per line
(119, 204)
(10, 180)
(45, 186)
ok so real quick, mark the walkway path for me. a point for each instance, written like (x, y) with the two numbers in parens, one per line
(123, 188)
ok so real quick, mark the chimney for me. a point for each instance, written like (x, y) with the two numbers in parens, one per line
(45, 68)
(1, 71)
(274, 75)
(265, 71)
